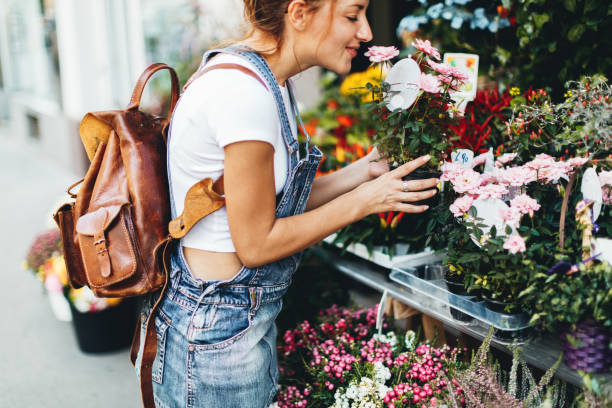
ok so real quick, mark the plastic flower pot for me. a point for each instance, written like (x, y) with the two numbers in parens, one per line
(420, 174)
(587, 348)
(430, 272)
(107, 330)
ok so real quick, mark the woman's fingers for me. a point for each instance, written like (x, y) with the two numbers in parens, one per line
(409, 167)
(418, 185)
(414, 209)
(417, 195)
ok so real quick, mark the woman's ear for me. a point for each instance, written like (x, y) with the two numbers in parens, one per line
(298, 14)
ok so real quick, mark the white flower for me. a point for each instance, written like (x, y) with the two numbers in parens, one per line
(381, 373)
(389, 338)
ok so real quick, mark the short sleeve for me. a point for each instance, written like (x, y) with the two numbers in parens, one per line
(243, 109)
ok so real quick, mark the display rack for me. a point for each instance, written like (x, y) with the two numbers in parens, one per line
(541, 352)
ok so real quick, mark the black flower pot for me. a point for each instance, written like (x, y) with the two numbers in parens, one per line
(520, 335)
(420, 174)
(502, 307)
(454, 284)
(110, 329)
(430, 272)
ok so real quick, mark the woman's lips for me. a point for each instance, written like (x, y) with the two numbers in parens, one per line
(352, 52)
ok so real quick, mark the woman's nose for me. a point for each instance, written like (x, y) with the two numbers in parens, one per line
(365, 32)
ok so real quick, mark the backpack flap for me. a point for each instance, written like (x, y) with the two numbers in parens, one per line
(103, 232)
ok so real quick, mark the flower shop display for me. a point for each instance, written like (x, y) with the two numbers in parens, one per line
(519, 42)
(341, 361)
(100, 324)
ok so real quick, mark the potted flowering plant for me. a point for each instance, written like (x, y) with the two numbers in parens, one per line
(413, 107)
(100, 324)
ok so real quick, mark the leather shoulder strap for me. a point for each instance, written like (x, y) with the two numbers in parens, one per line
(239, 67)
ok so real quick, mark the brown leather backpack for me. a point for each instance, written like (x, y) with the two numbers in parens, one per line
(116, 232)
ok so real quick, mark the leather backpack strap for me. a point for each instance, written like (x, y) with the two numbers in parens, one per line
(150, 342)
(142, 82)
(225, 66)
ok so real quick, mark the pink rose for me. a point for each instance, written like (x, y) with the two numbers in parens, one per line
(429, 83)
(427, 48)
(450, 171)
(525, 204)
(461, 205)
(515, 244)
(506, 158)
(554, 172)
(540, 161)
(381, 54)
(491, 191)
(577, 161)
(467, 181)
(480, 159)
(511, 216)
(516, 176)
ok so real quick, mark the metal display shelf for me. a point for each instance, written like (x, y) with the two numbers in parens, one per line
(541, 352)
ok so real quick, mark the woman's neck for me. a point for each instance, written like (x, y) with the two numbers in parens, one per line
(283, 62)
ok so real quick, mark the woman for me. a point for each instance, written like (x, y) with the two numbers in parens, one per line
(215, 324)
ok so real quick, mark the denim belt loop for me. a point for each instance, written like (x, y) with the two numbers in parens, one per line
(256, 297)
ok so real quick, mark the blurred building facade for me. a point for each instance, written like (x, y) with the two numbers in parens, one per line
(60, 59)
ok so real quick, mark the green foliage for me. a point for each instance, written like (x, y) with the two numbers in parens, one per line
(565, 300)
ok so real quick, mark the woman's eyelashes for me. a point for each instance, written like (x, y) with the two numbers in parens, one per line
(353, 19)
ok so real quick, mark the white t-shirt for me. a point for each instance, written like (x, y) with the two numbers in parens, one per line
(221, 107)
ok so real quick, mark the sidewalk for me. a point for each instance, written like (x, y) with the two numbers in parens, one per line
(40, 363)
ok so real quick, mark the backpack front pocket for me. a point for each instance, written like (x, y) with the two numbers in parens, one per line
(107, 245)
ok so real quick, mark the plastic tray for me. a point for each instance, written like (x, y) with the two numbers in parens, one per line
(382, 259)
(435, 289)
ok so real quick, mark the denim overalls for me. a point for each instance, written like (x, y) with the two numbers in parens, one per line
(216, 340)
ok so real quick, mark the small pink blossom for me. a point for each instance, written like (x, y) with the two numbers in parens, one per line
(577, 161)
(512, 216)
(605, 178)
(515, 244)
(441, 68)
(525, 204)
(506, 158)
(480, 159)
(467, 181)
(516, 176)
(491, 191)
(427, 48)
(429, 83)
(450, 171)
(461, 205)
(459, 75)
(381, 54)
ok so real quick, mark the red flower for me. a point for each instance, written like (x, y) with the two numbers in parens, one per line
(345, 120)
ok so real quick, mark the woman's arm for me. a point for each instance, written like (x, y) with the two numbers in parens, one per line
(328, 187)
(259, 237)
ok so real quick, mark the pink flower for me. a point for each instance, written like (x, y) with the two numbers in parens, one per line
(459, 75)
(525, 204)
(512, 216)
(451, 170)
(554, 172)
(515, 244)
(429, 83)
(540, 161)
(480, 159)
(461, 205)
(605, 178)
(427, 48)
(506, 158)
(516, 176)
(577, 161)
(467, 181)
(381, 54)
(440, 68)
(491, 191)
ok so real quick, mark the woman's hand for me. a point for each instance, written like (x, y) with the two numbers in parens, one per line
(377, 165)
(388, 192)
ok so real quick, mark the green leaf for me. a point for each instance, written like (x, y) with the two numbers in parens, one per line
(570, 5)
(576, 32)
(540, 19)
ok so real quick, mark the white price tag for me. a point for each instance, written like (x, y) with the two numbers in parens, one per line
(463, 157)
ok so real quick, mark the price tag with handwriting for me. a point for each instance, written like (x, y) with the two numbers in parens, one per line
(463, 157)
